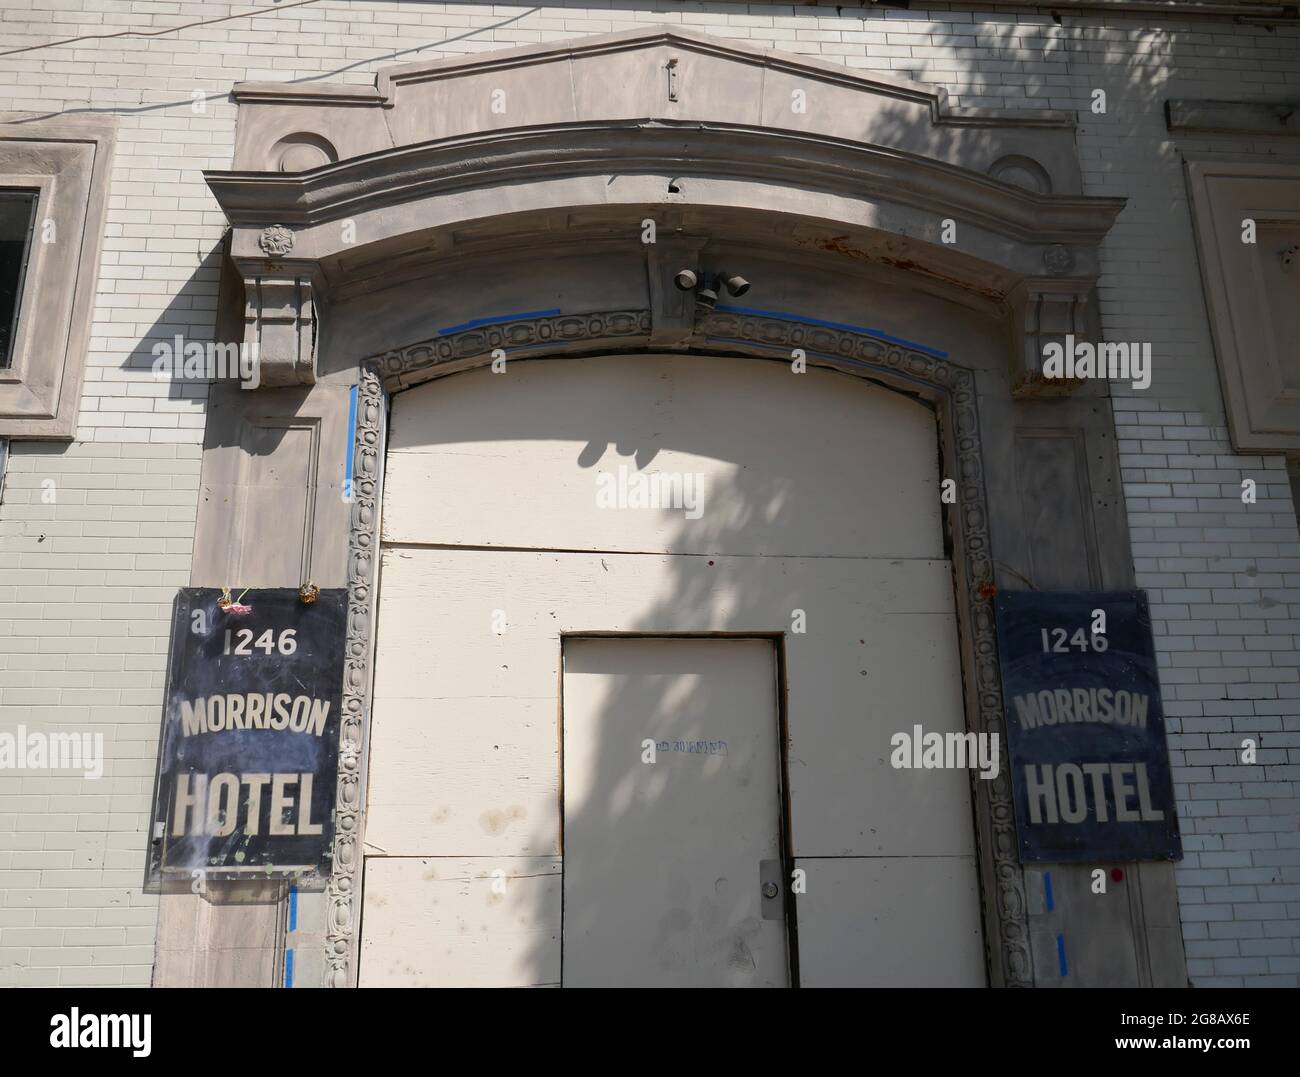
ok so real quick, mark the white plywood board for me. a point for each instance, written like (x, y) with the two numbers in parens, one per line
(811, 464)
(820, 504)
(464, 776)
(879, 656)
(465, 922)
(890, 922)
(662, 852)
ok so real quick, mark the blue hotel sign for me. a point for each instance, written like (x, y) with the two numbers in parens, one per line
(1085, 731)
(248, 757)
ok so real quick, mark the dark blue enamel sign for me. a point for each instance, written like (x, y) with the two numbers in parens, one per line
(1085, 730)
(248, 757)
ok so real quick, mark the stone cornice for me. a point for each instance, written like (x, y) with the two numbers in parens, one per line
(715, 150)
(1243, 119)
(305, 93)
(1252, 11)
(1242, 9)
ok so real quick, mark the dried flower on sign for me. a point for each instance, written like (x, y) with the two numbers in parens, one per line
(230, 605)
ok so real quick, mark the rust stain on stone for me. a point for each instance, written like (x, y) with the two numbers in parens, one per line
(839, 245)
(1036, 385)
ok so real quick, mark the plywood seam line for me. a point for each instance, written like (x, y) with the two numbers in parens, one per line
(397, 544)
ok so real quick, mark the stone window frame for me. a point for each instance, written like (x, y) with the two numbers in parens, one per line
(67, 163)
(1263, 415)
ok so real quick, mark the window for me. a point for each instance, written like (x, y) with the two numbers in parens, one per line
(1247, 218)
(17, 215)
(53, 201)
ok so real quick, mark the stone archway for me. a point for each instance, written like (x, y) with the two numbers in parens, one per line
(386, 235)
(949, 388)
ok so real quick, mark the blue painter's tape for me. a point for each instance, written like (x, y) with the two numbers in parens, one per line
(288, 968)
(293, 908)
(1047, 885)
(1060, 955)
(351, 446)
(497, 320)
(865, 330)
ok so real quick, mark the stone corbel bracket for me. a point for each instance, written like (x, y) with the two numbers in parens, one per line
(1044, 311)
(280, 318)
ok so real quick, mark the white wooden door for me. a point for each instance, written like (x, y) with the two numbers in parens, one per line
(671, 804)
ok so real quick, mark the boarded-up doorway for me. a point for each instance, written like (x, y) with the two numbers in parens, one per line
(516, 519)
(672, 814)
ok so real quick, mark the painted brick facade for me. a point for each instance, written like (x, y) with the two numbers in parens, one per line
(96, 536)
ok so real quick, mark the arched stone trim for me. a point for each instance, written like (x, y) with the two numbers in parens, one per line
(770, 156)
(358, 669)
(947, 386)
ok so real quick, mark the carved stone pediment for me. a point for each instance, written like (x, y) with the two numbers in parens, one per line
(652, 73)
(564, 150)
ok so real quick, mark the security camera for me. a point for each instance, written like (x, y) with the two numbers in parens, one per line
(686, 280)
(736, 285)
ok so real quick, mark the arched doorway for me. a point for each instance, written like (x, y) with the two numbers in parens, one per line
(647, 625)
(885, 235)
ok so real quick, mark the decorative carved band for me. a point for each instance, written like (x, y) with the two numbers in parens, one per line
(949, 387)
(547, 335)
(363, 538)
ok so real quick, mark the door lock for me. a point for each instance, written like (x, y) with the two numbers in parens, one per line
(770, 876)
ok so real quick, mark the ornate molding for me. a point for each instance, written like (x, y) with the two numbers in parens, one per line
(952, 390)
(363, 539)
(1058, 259)
(276, 241)
(543, 336)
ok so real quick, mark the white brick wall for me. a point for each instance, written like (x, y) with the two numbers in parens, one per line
(94, 540)
(85, 583)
